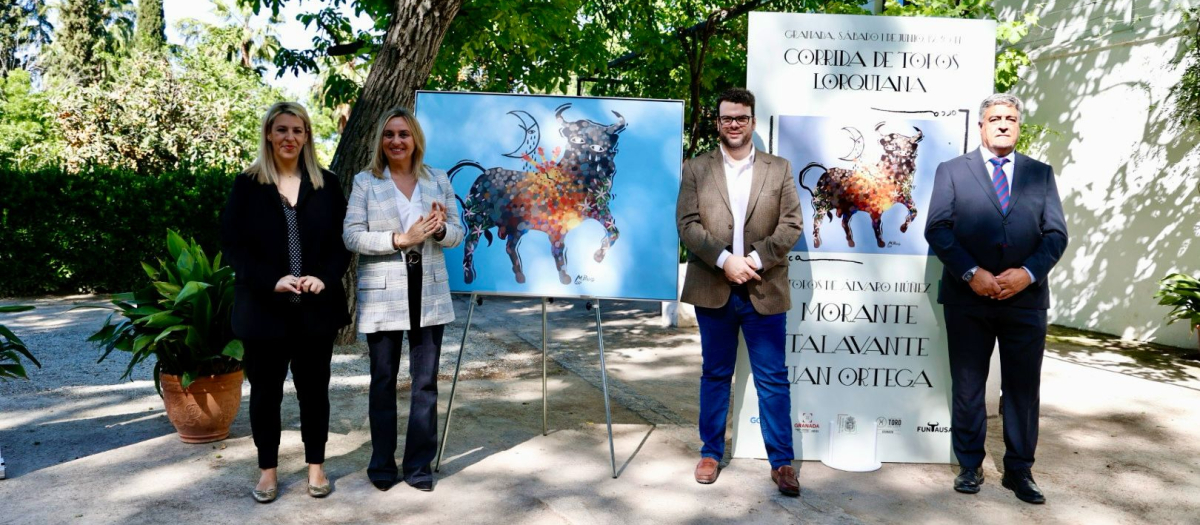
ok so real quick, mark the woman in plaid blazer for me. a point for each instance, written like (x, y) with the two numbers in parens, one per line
(400, 215)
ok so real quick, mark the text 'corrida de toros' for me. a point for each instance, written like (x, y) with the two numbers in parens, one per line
(901, 83)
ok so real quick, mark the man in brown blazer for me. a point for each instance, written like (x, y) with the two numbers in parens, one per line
(739, 216)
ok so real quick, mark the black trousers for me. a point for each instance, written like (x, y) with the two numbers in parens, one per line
(425, 350)
(266, 365)
(972, 332)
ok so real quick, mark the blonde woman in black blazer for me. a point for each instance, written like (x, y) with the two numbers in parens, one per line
(281, 230)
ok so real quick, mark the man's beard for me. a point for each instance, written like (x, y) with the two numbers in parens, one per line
(730, 144)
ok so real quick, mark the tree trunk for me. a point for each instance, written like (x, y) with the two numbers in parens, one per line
(401, 67)
(695, 46)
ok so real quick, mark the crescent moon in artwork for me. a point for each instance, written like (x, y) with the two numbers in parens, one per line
(856, 151)
(532, 135)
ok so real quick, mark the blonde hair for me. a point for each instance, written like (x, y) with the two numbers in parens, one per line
(263, 169)
(379, 161)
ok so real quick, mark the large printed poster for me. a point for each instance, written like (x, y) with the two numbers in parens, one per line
(560, 196)
(865, 108)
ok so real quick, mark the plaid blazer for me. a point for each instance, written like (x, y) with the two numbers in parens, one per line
(371, 217)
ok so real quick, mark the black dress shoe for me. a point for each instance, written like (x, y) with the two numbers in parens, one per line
(383, 484)
(1021, 483)
(969, 480)
(425, 485)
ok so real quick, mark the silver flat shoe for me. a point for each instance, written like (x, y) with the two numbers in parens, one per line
(319, 491)
(265, 496)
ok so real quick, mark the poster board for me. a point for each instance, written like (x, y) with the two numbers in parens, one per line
(865, 108)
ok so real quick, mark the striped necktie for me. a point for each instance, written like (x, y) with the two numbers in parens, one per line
(1000, 182)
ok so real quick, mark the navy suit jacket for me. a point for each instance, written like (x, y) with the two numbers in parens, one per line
(966, 228)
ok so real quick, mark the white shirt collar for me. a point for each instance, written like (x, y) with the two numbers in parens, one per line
(988, 155)
(729, 161)
(400, 198)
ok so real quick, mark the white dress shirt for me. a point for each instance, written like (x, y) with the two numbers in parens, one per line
(738, 176)
(1007, 169)
(409, 209)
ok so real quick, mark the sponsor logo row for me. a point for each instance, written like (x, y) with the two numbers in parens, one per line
(848, 424)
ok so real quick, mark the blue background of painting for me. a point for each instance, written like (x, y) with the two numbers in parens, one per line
(804, 139)
(644, 261)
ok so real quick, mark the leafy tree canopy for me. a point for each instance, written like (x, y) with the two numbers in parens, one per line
(237, 37)
(26, 123)
(151, 26)
(687, 49)
(202, 112)
(79, 43)
(24, 28)
(107, 102)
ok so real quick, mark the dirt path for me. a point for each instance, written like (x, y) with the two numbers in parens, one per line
(1117, 441)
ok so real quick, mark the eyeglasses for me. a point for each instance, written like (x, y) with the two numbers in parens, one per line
(742, 120)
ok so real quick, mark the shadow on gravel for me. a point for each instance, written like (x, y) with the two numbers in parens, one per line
(1150, 361)
(34, 447)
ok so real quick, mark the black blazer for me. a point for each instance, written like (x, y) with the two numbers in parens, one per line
(254, 237)
(966, 228)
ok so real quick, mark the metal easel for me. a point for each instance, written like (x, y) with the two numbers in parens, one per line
(593, 305)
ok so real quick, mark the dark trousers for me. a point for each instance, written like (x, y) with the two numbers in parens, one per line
(266, 365)
(425, 350)
(972, 332)
(764, 336)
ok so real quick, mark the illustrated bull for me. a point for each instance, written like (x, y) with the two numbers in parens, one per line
(868, 187)
(554, 198)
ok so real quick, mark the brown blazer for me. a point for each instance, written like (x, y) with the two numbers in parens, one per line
(705, 221)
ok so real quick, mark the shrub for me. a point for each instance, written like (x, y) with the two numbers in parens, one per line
(89, 232)
(1182, 293)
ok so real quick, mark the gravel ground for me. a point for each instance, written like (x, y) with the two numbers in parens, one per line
(57, 329)
(56, 333)
(1117, 442)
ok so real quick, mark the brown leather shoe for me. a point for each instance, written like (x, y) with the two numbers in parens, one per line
(707, 470)
(785, 478)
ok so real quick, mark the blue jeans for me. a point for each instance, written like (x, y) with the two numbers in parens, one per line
(764, 336)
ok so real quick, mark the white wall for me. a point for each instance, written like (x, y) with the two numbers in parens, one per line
(1101, 76)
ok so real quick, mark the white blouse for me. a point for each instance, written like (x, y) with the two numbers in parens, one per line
(410, 209)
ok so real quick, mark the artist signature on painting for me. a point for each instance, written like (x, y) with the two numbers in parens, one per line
(892, 243)
(581, 278)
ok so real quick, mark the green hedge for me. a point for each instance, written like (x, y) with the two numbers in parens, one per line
(88, 232)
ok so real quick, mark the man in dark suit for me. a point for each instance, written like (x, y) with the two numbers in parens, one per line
(739, 216)
(996, 223)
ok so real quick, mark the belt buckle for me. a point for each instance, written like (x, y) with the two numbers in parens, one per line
(412, 257)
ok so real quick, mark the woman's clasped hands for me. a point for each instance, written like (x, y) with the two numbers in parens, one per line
(299, 285)
(431, 225)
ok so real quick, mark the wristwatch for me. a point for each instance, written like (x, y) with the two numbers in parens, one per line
(970, 274)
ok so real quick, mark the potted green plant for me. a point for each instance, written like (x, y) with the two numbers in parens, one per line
(1182, 293)
(12, 349)
(181, 318)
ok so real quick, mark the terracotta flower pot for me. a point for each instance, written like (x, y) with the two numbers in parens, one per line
(204, 412)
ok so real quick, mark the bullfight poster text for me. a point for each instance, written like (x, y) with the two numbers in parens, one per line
(865, 108)
(560, 196)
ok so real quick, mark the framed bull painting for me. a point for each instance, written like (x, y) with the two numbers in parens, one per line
(560, 196)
